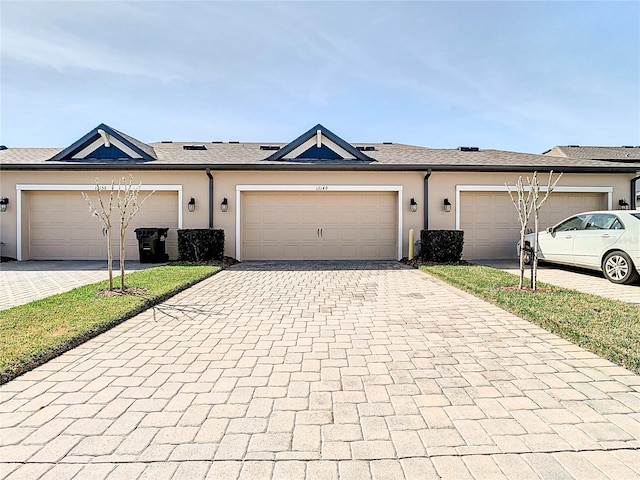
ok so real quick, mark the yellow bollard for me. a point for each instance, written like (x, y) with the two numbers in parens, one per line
(411, 244)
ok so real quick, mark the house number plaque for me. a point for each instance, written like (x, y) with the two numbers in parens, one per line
(322, 188)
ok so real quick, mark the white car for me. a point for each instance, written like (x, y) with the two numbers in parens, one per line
(608, 241)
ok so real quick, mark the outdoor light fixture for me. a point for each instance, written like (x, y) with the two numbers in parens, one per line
(447, 205)
(4, 201)
(413, 205)
(622, 203)
(224, 206)
(192, 204)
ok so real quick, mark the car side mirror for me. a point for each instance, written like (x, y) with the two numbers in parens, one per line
(550, 230)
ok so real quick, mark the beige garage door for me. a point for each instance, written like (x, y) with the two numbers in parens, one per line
(319, 225)
(60, 226)
(491, 226)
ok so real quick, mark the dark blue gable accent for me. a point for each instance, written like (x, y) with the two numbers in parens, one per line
(323, 152)
(282, 154)
(145, 151)
(108, 152)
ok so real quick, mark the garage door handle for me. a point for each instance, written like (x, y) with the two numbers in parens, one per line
(321, 233)
(318, 233)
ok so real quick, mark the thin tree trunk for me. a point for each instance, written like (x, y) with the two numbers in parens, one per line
(122, 250)
(534, 270)
(109, 259)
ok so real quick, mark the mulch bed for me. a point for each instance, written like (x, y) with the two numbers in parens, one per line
(116, 292)
(525, 289)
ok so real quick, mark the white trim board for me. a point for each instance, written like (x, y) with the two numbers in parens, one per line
(317, 188)
(505, 188)
(79, 188)
(98, 142)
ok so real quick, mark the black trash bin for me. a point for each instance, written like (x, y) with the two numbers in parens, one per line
(151, 244)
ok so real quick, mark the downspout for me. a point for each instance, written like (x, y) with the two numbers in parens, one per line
(426, 199)
(634, 185)
(210, 198)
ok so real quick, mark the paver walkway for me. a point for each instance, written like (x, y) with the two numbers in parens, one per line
(349, 371)
(24, 282)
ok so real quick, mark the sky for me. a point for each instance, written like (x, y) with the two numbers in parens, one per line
(508, 75)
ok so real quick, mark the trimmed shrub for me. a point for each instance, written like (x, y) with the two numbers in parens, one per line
(441, 245)
(200, 244)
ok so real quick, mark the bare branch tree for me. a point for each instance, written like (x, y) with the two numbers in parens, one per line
(523, 206)
(128, 206)
(103, 212)
(537, 205)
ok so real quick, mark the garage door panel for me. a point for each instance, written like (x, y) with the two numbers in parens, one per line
(61, 227)
(346, 220)
(491, 224)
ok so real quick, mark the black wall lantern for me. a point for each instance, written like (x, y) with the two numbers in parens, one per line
(4, 201)
(224, 206)
(446, 205)
(622, 203)
(413, 205)
(192, 204)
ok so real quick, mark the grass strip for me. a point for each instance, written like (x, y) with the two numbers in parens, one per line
(608, 328)
(34, 333)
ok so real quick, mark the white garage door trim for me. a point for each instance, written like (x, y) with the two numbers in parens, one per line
(317, 188)
(504, 188)
(79, 188)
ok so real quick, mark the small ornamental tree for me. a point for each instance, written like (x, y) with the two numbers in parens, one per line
(125, 197)
(103, 212)
(529, 201)
(523, 206)
(128, 206)
(538, 202)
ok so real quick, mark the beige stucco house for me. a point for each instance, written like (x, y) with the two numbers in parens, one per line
(317, 197)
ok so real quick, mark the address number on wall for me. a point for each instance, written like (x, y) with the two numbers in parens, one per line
(322, 188)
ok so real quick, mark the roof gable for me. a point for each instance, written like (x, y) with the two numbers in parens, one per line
(319, 145)
(106, 144)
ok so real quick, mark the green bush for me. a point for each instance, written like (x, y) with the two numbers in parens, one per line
(441, 245)
(200, 244)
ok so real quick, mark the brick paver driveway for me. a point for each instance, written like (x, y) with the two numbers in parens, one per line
(348, 371)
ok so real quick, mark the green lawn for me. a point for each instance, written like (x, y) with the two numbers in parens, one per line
(34, 333)
(609, 328)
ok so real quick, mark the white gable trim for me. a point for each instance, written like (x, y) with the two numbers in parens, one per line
(312, 142)
(316, 188)
(82, 188)
(84, 153)
(504, 188)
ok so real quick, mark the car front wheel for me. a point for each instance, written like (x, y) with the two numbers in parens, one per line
(618, 268)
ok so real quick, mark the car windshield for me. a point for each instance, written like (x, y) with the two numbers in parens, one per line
(637, 215)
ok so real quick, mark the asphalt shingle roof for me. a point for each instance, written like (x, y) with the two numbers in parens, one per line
(624, 154)
(250, 156)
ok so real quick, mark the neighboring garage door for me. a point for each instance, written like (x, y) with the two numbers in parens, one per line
(491, 226)
(319, 225)
(60, 226)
